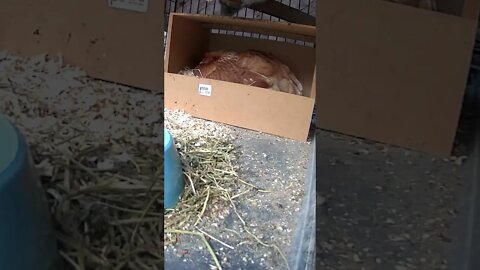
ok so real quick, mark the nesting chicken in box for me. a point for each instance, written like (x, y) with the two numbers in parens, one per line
(254, 68)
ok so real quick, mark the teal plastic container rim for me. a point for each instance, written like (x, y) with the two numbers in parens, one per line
(9, 149)
(28, 238)
(173, 174)
(167, 140)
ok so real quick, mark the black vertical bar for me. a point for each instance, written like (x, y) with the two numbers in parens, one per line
(244, 16)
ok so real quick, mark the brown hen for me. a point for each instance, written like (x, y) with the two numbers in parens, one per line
(253, 68)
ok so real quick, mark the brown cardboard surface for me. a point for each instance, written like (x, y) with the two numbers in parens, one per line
(245, 106)
(470, 9)
(110, 44)
(190, 41)
(248, 107)
(398, 76)
(285, 29)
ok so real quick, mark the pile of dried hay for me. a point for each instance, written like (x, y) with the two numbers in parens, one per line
(107, 216)
(98, 150)
(211, 177)
(208, 159)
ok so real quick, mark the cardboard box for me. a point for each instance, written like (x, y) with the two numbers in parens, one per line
(117, 40)
(265, 110)
(394, 73)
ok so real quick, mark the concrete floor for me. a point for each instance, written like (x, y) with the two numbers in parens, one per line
(384, 207)
(284, 216)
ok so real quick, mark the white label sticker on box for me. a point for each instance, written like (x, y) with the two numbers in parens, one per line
(133, 5)
(205, 89)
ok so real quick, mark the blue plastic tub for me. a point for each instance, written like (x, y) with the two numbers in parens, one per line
(27, 238)
(174, 181)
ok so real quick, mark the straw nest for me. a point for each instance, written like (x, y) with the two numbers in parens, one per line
(97, 149)
(208, 159)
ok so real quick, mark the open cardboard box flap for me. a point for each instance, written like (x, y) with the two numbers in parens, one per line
(112, 44)
(284, 29)
(400, 76)
(260, 109)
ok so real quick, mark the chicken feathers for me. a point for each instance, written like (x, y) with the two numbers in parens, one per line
(253, 68)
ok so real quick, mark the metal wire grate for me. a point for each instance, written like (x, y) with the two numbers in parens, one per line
(212, 7)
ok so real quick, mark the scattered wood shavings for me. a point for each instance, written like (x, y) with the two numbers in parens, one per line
(181, 124)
